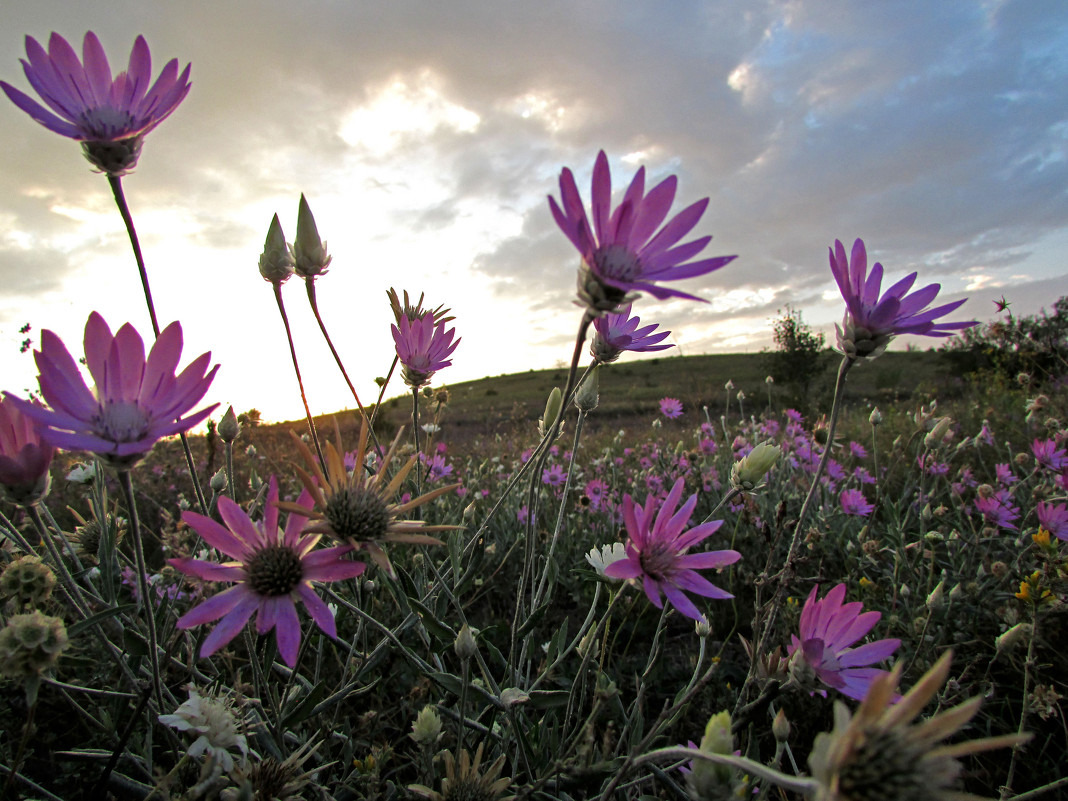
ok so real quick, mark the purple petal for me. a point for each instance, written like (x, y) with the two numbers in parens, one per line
(220, 538)
(216, 606)
(288, 631)
(318, 610)
(231, 624)
(869, 653)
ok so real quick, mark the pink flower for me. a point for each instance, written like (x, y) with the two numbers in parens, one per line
(618, 332)
(671, 408)
(657, 552)
(110, 115)
(1053, 518)
(623, 251)
(872, 321)
(272, 571)
(135, 401)
(828, 629)
(423, 347)
(24, 457)
(998, 511)
(854, 503)
(1048, 455)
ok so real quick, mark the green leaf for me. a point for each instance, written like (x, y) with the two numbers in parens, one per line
(77, 628)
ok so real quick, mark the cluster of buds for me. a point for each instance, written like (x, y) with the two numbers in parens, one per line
(30, 644)
(27, 582)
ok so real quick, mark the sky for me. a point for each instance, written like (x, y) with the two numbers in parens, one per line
(427, 137)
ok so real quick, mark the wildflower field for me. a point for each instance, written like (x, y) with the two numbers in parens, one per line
(675, 578)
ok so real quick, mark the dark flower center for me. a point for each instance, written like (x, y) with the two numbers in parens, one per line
(274, 570)
(883, 768)
(355, 513)
(658, 560)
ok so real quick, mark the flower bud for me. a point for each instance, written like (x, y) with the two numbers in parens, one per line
(427, 727)
(750, 470)
(276, 265)
(935, 435)
(709, 780)
(780, 727)
(309, 252)
(876, 417)
(936, 598)
(553, 407)
(218, 481)
(587, 397)
(465, 645)
(229, 429)
(1013, 637)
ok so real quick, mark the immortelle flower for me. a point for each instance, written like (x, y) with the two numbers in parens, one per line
(854, 503)
(271, 572)
(880, 753)
(656, 552)
(871, 320)
(618, 331)
(136, 401)
(828, 629)
(1048, 455)
(215, 725)
(626, 250)
(671, 408)
(109, 116)
(423, 347)
(24, 457)
(1053, 518)
(356, 507)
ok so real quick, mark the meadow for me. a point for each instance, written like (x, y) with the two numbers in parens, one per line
(837, 575)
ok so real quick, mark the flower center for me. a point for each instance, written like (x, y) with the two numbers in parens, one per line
(355, 513)
(884, 767)
(121, 421)
(106, 122)
(618, 263)
(658, 560)
(274, 570)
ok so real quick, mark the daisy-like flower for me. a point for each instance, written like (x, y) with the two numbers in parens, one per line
(271, 572)
(356, 507)
(618, 331)
(24, 457)
(854, 503)
(998, 511)
(871, 320)
(1048, 455)
(657, 552)
(136, 401)
(215, 725)
(828, 630)
(881, 753)
(1053, 518)
(109, 116)
(671, 408)
(465, 780)
(423, 347)
(626, 250)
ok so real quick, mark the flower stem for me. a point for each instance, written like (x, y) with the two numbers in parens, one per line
(124, 212)
(142, 583)
(799, 784)
(309, 283)
(296, 369)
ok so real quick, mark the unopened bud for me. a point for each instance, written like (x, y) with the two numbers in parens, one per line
(780, 727)
(586, 398)
(427, 727)
(218, 481)
(750, 470)
(935, 435)
(465, 645)
(309, 252)
(936, 599)
(876, 417)
(276, 263)
(553, 407)
(1013, 637)
(229, 429)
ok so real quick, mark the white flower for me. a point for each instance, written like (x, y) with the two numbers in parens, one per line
(600, 558)
(81, 474)
(215, 724)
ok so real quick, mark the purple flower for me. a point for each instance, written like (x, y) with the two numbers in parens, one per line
(872, 321)
(794, 416)
(997, 511)
(1048, 455)
(1003, 472)
(657, 552)
(423, 347)
(24, 457)
(135, 402)
(1053, 518)
(854, 503)
(596, 491)
(617, 332)
(109, 115)
(670, 408)
(858, 450)
(554, 476)
(272, 571)
(623, 252)
(828, 629)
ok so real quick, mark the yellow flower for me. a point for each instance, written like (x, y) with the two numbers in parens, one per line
(1031, 590)
(865, 583)
(1041, 539)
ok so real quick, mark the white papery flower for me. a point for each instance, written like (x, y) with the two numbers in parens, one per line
(600, 558)
(216, 725)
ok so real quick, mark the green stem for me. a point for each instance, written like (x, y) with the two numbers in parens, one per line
(142, 584)
(296, 369)
(309, 284)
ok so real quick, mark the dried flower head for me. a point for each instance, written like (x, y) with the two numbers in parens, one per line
(27, 582)
(465, 781)
(31, 644)
(878, 754)
(357, 508)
